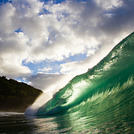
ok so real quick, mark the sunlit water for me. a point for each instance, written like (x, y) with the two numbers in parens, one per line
(100, 101)
(93, 124)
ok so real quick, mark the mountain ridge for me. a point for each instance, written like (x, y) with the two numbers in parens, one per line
(16, 96)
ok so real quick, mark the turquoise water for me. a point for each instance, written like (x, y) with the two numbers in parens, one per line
(100, 101)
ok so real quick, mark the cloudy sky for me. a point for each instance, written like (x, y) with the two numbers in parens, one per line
(45, 43)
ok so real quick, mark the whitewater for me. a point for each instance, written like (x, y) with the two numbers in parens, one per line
(100, 101)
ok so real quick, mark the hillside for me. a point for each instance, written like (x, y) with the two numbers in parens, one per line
(16, 96)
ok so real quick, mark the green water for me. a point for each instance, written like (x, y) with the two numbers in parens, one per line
(101, 100)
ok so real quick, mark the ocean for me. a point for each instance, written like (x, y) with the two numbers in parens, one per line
(19, 123)
(100, 101)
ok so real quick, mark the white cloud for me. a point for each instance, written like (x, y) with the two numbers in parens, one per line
(13, 49)
(27, 8)
(66, 29)
(45, 69)
(109, 4)
(6, 14)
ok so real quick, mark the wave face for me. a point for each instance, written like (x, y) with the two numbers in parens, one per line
(104, 94)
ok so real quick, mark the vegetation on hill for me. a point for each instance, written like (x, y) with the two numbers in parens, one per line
(16, 96)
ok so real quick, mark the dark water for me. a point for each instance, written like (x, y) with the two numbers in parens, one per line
(100, 101)
(14, 123)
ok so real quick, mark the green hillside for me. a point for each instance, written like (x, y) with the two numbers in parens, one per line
(16, 96)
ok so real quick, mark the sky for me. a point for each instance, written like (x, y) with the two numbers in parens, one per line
(45, 43)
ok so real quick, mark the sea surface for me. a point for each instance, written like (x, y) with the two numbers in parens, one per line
(100, 101)
(19, 123)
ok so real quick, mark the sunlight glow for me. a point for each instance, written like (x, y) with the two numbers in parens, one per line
(78, 89)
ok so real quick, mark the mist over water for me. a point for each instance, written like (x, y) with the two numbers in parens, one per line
(43, 98)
